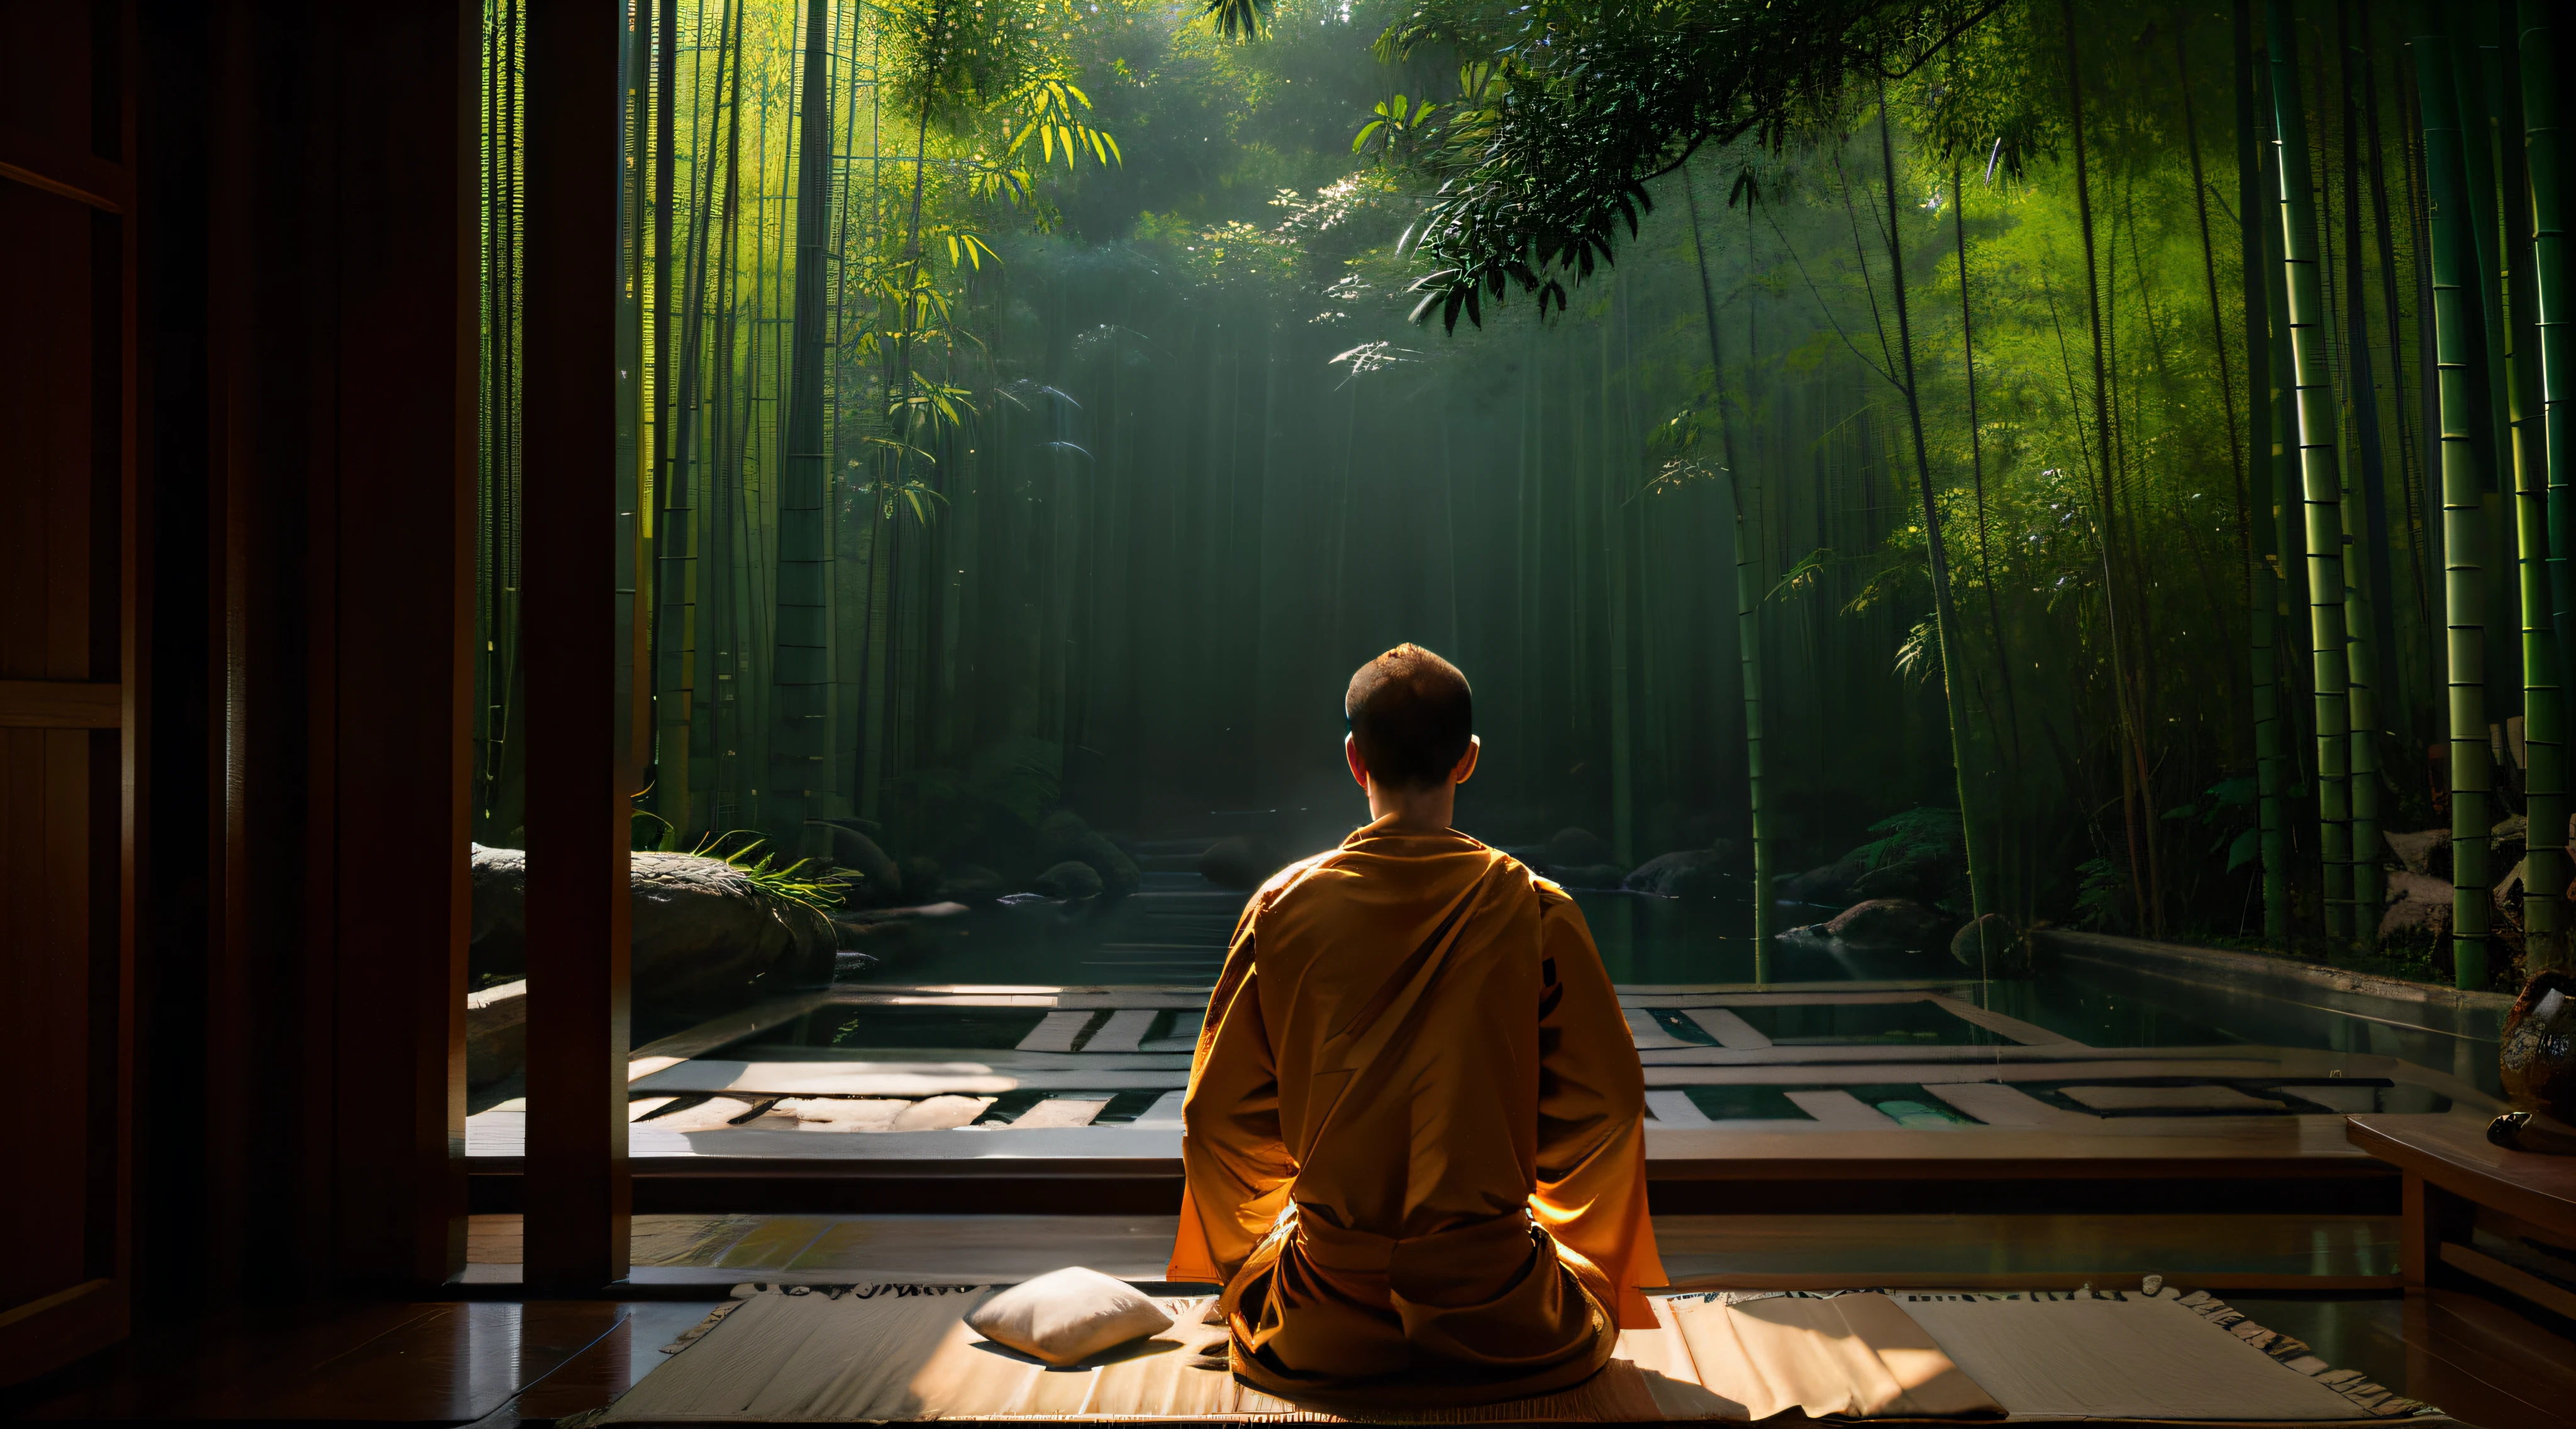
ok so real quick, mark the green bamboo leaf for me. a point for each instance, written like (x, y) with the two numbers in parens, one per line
(1238, 20)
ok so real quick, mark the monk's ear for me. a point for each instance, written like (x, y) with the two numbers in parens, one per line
(1351, 753)
(1467, 761)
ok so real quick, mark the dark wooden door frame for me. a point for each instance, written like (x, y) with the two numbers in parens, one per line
(579, 788)
(75, 1319)
(303, 568)
(288, 216)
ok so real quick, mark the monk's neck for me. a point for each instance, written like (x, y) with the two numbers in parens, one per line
(1412, 811)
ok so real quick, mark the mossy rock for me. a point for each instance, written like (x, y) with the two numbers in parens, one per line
(1072, 879)
(705, 932)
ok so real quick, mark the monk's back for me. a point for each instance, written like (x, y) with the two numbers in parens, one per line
(1417, 957)
(1412, 1142)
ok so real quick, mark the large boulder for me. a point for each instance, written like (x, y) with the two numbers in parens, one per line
(1065, 838)
(1578, 848)
(2426, 851)
(853, 848)
(972, 883)
(1921, 876)
(921, 879)
(706, 934)
(1688, 873)
(2507, 840)
(497, 943)
(1827, 887)
(2418, 911)
(1240, 863)
(705, 930)
(1991, 947)
(1886, 923)
(1070, 879)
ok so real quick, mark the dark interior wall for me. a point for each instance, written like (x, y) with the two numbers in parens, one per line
(65, 228)
(305, 284)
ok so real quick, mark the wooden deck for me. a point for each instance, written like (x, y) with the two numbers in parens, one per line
(1070, 1095)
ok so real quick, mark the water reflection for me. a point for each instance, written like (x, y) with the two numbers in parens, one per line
(1174, 935)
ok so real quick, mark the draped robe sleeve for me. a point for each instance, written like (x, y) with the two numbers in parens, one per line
(1238, 1169)
(1591, 1192)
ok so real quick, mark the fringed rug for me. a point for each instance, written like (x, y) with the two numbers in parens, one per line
(892, 1353)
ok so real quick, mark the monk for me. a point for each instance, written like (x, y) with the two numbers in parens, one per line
(1412, 1132)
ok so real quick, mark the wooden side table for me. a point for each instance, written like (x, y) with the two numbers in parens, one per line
(2456, 1184)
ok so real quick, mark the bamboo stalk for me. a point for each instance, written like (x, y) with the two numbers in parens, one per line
(1614, 574)
(2271, 764)
(2547, 531)
(800, 666)
(631, 731)
(1748, 594)
(2320, 479)
(2463, 481)
(1945, 618)
(2292, 633)
(2409, 468)
(2012, 873)
(2367, 581)
(2106, 501)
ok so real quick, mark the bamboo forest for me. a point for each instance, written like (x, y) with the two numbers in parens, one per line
(1901, 476)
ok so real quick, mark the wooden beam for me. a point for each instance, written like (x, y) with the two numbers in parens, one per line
(578, 785)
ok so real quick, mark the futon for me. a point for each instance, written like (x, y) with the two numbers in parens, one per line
(800, 1354)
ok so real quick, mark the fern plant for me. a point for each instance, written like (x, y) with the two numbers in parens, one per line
(764, 873)
(781, 883)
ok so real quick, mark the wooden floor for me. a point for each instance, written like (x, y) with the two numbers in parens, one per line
(2230, 1252)
(501, 1364)
(371, 1362)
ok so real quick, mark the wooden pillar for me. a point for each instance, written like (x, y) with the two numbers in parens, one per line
(399, 633)
(578, 789)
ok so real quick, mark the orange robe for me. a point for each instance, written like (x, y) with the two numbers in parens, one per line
(1413, 1132)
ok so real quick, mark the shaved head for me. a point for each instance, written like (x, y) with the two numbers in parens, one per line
(1411, 715)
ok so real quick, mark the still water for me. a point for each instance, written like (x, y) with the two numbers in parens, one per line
(1173, 933)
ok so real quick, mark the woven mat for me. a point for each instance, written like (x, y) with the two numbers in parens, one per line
(880, 1353)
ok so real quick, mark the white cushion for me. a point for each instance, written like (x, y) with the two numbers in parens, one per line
(1066, 1315)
